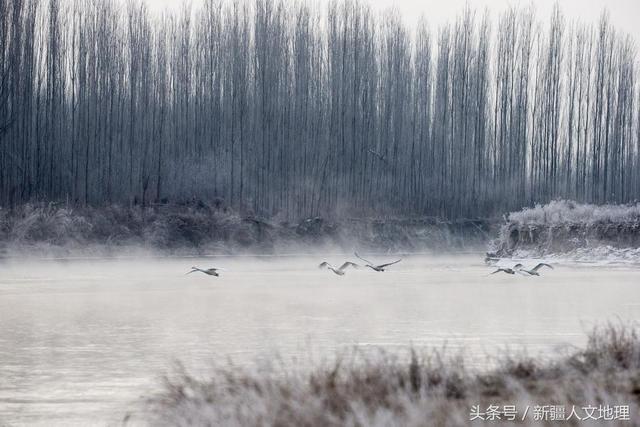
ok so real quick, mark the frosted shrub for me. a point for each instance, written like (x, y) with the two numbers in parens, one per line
(565, 212)
(197, 227)
(418, 390)
(567, 229)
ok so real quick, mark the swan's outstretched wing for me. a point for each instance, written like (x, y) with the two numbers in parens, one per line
(348, 264)
(389, 263)
(542, 264)
(368, 262)
(193, 270)
(518, 265)
(505, 270)
(324, 264)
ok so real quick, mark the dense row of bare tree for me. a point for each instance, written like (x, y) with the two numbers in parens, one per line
(295, 110)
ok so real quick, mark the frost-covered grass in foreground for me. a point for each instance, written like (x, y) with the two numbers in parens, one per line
(569, 212)
(427, 390)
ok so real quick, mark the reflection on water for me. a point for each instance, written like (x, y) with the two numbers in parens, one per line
(80, 341)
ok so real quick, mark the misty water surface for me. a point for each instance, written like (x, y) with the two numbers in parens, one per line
(81, 341)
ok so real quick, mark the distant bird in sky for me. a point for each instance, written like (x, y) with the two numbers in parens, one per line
(505, 270)
(533, 271)
(378, 268)
(378, 155)
(339, 271)
(208, 271)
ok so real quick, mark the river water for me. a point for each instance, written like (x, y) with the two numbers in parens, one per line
(82, 340)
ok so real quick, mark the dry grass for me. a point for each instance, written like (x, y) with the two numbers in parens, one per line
(422, 390)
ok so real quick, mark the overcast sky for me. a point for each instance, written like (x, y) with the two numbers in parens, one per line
(625, 14)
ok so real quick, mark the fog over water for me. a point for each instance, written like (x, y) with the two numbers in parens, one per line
(81, 341)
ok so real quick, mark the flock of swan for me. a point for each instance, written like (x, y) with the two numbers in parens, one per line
(518, 268)
(342, 270)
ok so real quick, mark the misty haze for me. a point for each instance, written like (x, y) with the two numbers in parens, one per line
(278, 213)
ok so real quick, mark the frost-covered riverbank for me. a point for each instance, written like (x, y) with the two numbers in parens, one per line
(571, 230)
(198, 228)
(559, 229)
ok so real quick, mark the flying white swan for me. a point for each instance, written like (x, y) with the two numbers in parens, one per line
(378, 268)
(339, 271)
(534, 270)
(504, 270)
(208, 271)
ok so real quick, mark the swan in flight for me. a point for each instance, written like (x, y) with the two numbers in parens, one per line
(504, 270)
(533, 271)
(208, 271)
(339, 271)
(378, 268)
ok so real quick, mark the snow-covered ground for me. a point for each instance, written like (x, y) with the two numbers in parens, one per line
(561, 212)
(596, 255)
(565, 230)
